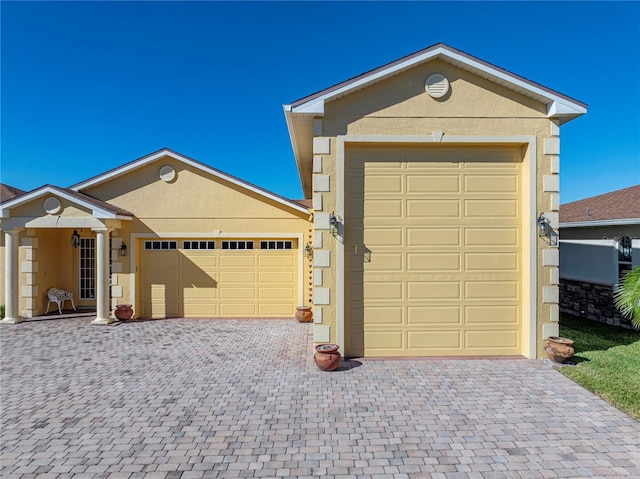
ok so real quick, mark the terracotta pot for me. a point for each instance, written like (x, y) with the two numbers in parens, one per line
(558, 349)
(327, 356)
(123, 312)
(304, 314)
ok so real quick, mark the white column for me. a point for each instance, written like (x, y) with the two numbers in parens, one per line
(11, 277)
(102, 277)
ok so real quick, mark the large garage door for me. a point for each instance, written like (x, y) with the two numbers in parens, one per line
(218, 278)
(433, 252)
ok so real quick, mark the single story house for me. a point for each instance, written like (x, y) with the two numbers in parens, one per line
(429, 180)
(599, 243)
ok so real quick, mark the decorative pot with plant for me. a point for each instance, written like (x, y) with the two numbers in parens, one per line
(627, 296)
(558, 349)
(304, 314)
(327, 357)
(123, 312)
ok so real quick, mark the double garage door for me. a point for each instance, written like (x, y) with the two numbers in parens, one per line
(433, 251)
(218, 278)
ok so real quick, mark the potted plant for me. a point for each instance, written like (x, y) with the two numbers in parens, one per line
(627, 296)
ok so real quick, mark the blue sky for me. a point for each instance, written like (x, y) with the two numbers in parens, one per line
(88, 86)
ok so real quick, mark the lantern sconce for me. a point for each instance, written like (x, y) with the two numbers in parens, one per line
(75, 239)
(123, 249)
(308, 251)
(334, 221)
(545, 230)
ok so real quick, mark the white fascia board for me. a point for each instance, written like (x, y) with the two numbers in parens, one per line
(313, 105)
(288, 116)
(199, 166)
(583, 224)
(563, 109)
(97, 211)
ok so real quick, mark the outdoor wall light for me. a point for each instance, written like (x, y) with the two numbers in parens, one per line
(75, 239)
(308, 251)
(545, 230)
(123, 249)
(333, 224)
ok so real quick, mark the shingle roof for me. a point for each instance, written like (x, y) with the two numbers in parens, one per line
(8, 192)
(619, 204)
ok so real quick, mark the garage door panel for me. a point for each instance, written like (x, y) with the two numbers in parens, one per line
(275, 293)
(384, 340)
(433, 262)
(433, 315)
(488, 340)
(418, 184)
(492, 237)
(199, 310)
(230, 292)
(383, 237)
(383, 290)
(493, 184)
(491, 208)
(491, 290)
(434, 340)
(384, 209)
(241, 277)
(433, 237)
(161, 276)
(492, 314)
(385, 315)
(274, 310)
(199, 294)
(491, 262)
(385, 262)
(383, 184)
(237, 310)
(433, 290)
(275, 277)
(238, 260)
(200, 260)
(277, 260)
(433, 209)
(160, 259)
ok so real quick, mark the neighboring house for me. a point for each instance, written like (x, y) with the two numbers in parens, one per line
(599, 242)
(426, 175)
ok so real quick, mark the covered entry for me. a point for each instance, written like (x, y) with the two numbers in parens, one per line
(433, 251)
(232, 278)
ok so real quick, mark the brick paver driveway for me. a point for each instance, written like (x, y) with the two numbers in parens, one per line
(226, 398)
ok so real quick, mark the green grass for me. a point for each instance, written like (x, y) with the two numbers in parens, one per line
(608, 361)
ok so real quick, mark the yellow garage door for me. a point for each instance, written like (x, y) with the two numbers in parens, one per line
(218, 278)
(433, 252)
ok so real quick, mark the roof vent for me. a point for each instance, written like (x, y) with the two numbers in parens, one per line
(167, 173)
(436, 85)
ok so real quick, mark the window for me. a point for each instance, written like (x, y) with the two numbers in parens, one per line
(198, 245)
(87, 268)
(243, 245)
(161, 245)
(276, 244)
(624, 255)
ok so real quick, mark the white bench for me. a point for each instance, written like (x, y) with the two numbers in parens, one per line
(59, 296)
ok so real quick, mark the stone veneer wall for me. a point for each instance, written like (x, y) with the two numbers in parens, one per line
(591, 301)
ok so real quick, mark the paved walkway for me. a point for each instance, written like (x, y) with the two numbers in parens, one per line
(242, 398)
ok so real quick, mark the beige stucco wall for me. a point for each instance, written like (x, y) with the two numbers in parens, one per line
(194, 205)
(474, 106)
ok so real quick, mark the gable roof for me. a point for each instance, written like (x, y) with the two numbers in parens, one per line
(300, 113)
(100, 209)
(615, 208)
(164, 152)
(8, 192)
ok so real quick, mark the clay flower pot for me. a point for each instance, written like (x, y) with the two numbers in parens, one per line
(123, 312)
(304, 314)
(327, 356)
(558, 349)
